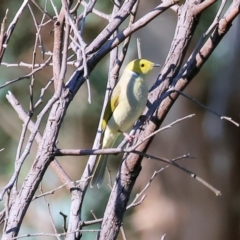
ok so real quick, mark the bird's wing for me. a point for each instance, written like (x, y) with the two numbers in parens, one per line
(111, 106)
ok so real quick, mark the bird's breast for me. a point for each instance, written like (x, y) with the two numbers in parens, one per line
(132, 102)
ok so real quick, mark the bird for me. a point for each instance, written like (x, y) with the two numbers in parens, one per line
(126, 104)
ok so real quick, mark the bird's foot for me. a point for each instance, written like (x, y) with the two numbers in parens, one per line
(129, 137)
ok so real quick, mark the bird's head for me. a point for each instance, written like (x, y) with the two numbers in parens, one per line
(141, 66)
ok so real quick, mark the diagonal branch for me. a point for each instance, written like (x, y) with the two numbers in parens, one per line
(6, 37)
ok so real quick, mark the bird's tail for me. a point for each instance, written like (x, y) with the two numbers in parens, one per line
(99, 169)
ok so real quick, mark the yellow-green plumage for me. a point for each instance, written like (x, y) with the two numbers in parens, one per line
(126, 104)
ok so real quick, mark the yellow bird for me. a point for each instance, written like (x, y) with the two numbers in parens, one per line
(125, 106)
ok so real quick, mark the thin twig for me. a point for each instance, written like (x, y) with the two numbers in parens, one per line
(95, 11)
(137, 202)
(81, 42)
(91, 222)
(139, 48)
(43, 90)
(162, 129)
(83, 52)
(64, 221)
(123, 233)
(163, 236)
(208, 109)
(54, 8)
(11, 27)
(42, 10)
(2, 31)
(27, 75)
(51, 234)
(50, 213)
(19, 148)
(36, 65)
(94, 215)
(50, 192)
(193, 175)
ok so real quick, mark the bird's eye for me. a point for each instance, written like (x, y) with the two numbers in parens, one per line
(142, 65)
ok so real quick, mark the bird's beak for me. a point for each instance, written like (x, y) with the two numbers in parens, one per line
(156, 65)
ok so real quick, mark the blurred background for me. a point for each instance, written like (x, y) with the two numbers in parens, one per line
(176, 204)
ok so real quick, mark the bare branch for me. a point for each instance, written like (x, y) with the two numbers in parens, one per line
(139, 48)
(2, 30)
(137, 202)
(97, 12)
(208, 109)
(50, 215)
(51, 234)
(163, 236)
(50, 192)
(161, 129)
(57, 49)
(10, 29)
(64, 221)
(42, 10)
(27, 75)
(83, 152)
(128, 31)
(172, 162)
